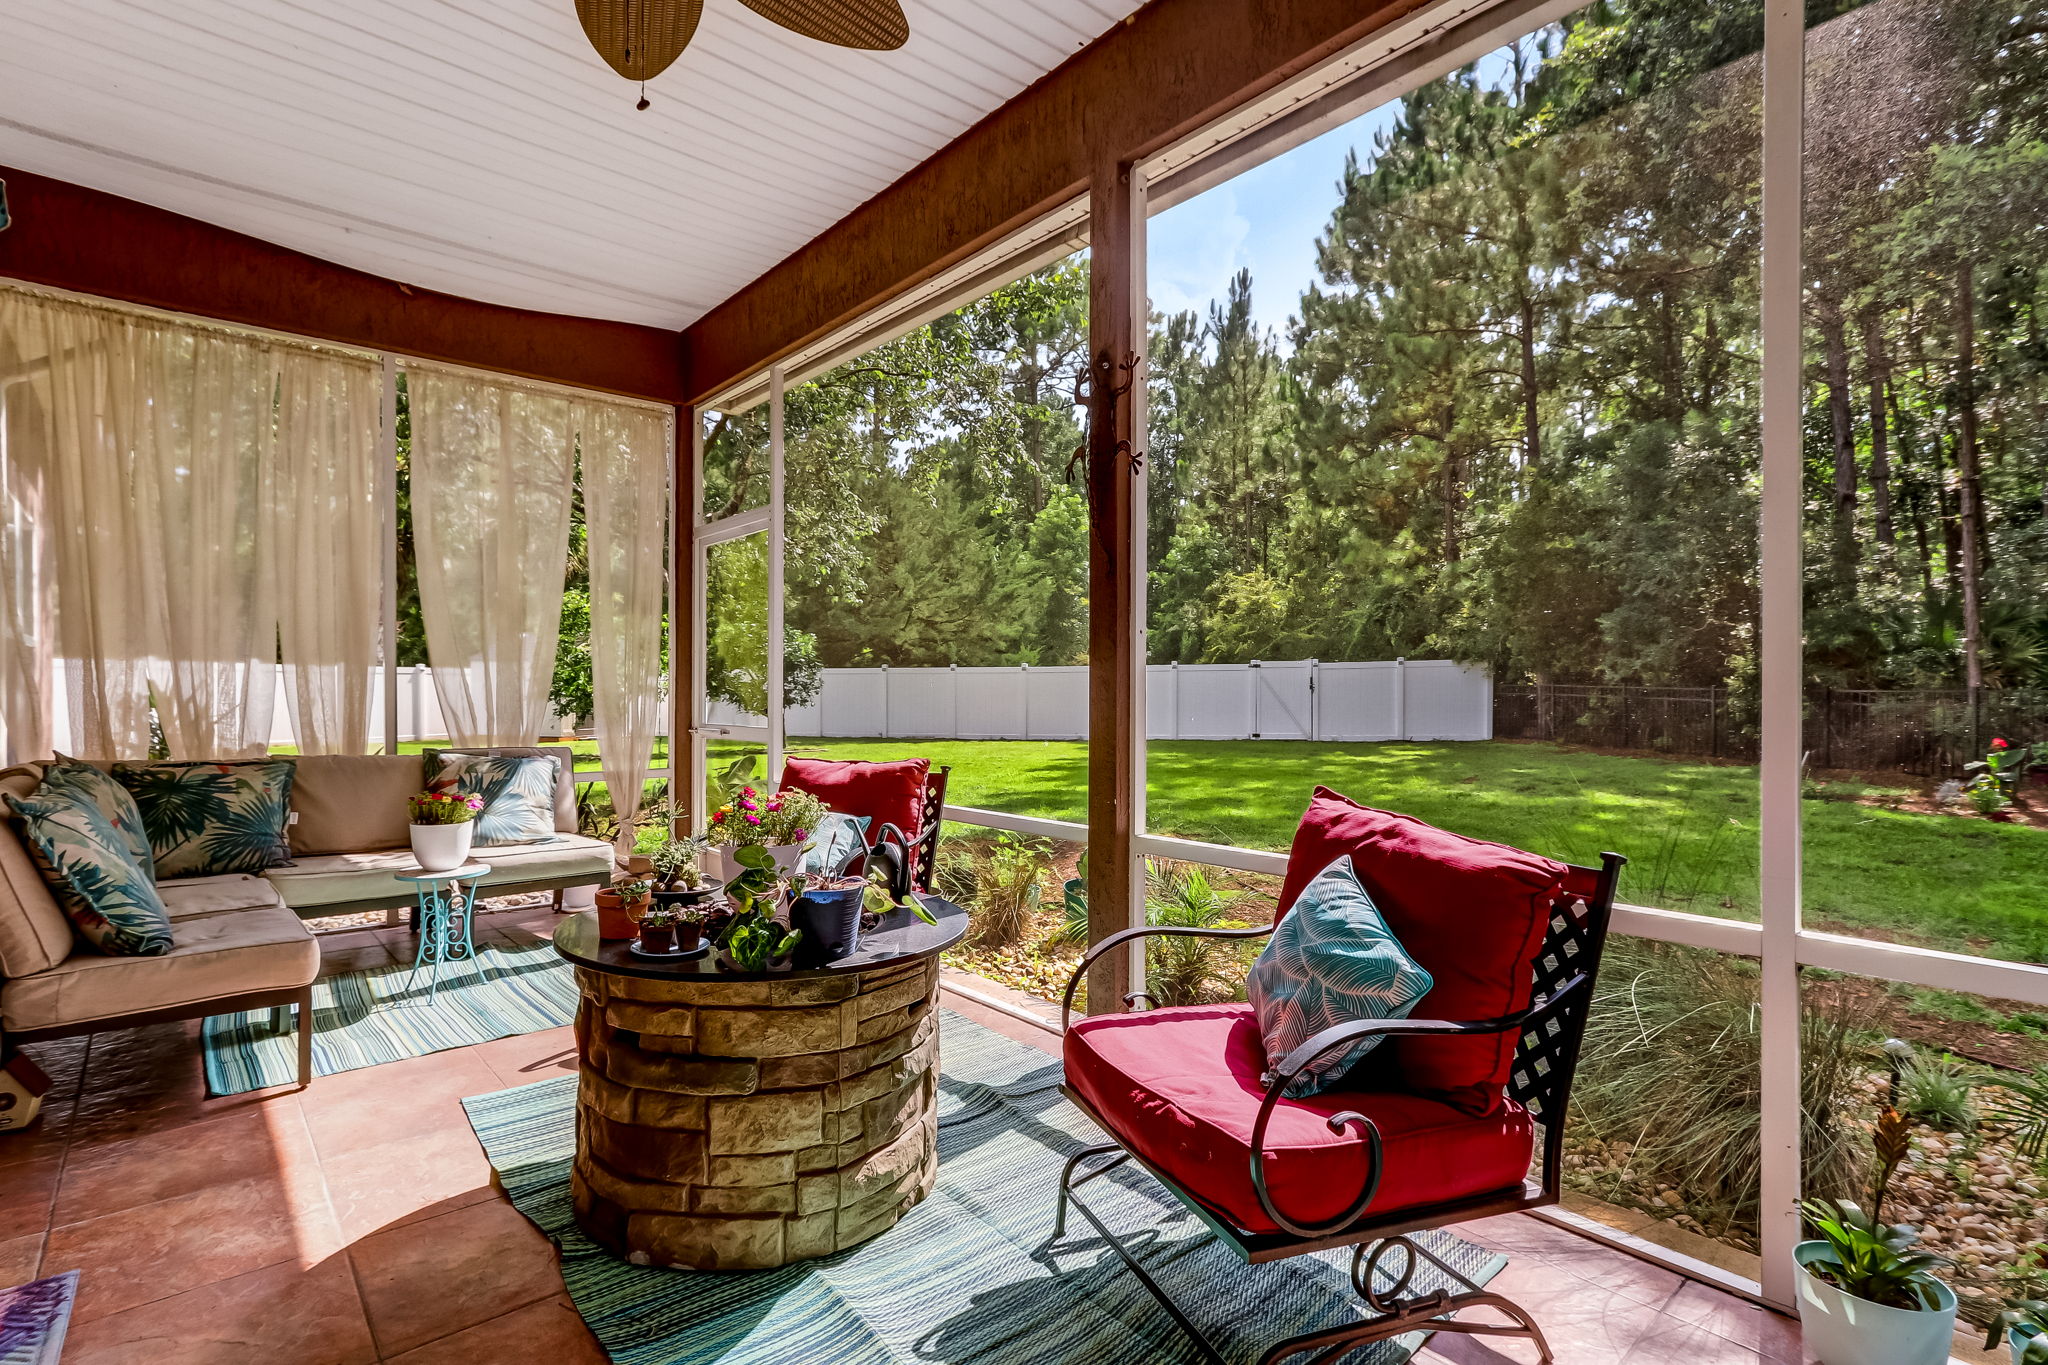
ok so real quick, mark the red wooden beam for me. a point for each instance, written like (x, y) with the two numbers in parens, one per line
(70, 237)
(1165, 72)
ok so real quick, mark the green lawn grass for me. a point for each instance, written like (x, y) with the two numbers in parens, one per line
(1689, 829)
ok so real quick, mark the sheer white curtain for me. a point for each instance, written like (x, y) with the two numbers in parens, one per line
(156, 500)
(329, 546)
(492, 472)
(28, 646)
(204, 461)
(626, 511)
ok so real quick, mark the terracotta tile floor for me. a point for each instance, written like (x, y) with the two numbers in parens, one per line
(355, 1221)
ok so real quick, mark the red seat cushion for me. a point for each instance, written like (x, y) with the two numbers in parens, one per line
(1180, 1087)
(887, 793)
(1473, 914)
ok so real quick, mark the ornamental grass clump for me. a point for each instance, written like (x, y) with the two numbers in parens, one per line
(443, 808)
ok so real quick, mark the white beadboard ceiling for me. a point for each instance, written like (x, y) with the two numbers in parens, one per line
(482, 148)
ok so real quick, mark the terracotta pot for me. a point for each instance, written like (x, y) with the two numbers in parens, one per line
(657, 940)
(618, 917)
(689, 935)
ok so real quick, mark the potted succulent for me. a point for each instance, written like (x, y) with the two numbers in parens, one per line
(620, 905)
(2023, 1326)
(1865, 1296)
(678, 877)
(782, 824)
(658, 929)
(442, 823)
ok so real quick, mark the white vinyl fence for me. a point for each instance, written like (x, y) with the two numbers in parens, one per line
(1293, 699)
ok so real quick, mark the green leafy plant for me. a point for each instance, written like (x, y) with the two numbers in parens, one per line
(754, 946)
(1939, 1091)
(2023, 1321)
(632, 890)
(786, 817)
(662, 917)
(1185, 970)
(2002, 769)
(443, 808)
(2019, 1104)
(1870, 1260)
(675, 863)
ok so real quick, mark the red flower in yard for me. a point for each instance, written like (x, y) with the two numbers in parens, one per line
(2000, 744)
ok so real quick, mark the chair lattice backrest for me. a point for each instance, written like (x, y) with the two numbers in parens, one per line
(926, 855)
(1547, 1053)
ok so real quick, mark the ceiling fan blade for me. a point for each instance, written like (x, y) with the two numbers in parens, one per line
(639, 38)
(878, 25)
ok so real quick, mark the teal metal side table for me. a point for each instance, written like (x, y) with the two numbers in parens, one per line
(446, 902)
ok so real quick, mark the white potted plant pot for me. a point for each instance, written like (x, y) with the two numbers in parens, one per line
(441, 848)
(2017, 1336)
(1843, 1330)
(786, 856)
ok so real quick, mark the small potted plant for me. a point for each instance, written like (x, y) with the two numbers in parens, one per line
(759, 945)
(678, 878)
(2023, 1326)
(1866, 1297)
(442, 823)
(782, 824)
(619, 907)
(827, 911)
(658, 929)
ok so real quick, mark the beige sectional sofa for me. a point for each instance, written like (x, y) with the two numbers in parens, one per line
(238, 942)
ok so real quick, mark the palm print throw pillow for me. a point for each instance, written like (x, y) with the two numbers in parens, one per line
(108, 898)
(1331, 960)
(213, 819)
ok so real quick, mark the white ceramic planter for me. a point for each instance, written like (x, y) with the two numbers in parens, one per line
(441, 848)
(1841, 1330)
(2017, 1338)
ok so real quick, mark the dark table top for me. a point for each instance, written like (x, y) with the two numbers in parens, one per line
(890, 945)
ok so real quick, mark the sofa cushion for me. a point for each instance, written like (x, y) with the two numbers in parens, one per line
(104, 892)
(190, 897)
(1181, 1088)
(34, 934)
(215, 956)
(1330, 960)
(1471, 913)
(348, 802)
(342, 877)
(888, 793)
(209, 819)
(517, 793)
(565, 781)
(99, 786)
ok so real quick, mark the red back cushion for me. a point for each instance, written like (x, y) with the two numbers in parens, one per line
(887, 793)
(1472, 913)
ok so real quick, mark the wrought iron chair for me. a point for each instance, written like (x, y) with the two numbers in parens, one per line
(1385, 1258)
(907, 862)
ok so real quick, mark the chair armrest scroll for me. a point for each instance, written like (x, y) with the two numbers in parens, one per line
(1123, 936)
(1343, 1035)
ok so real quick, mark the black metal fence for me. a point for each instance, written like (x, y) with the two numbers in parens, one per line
(1931, 732)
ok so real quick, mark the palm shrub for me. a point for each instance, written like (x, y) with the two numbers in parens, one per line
(1938, 1091)
(1669, 1076)
(1191, 971)
(2020, 1105)
(1001, 881)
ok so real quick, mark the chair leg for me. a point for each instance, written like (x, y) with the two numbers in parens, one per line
(305, 1007)
(558, 900)
(1397, 1312)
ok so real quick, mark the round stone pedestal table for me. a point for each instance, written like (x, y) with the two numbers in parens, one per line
(739, 1121)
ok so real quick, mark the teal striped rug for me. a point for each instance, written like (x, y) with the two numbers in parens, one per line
(966, 1277)
(367, 1018)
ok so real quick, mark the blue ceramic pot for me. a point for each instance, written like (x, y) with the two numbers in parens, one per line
(830, 920)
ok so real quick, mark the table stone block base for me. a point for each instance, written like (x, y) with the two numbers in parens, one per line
(739, 1125)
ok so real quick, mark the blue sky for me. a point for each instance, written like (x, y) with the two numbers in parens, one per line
(1267, 220)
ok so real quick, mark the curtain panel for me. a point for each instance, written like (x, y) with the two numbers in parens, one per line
(493, 472)
(160, 530)
(626, 505)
